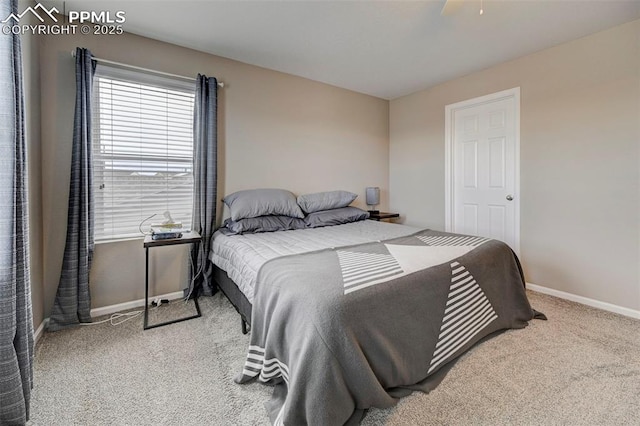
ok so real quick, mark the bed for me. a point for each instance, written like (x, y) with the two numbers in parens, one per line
(356, 315)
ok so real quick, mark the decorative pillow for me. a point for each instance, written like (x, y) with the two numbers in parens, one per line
(254, 225)
(325, 200)
(262, 202)
(335, 217)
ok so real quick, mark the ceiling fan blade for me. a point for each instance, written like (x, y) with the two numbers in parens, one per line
(450, 7)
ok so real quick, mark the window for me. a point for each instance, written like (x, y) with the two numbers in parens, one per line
(142, 151)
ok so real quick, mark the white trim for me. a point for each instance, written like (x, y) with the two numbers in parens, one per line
(111, 309)
(585, 301)
(119, 307)
(448, 167)
(450, 111)
(40, 330)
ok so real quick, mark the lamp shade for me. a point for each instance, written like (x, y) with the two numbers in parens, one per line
(373, 196)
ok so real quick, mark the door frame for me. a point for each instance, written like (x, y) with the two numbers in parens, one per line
(449, 160)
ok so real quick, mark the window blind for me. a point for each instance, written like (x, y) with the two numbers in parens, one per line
(142, 151)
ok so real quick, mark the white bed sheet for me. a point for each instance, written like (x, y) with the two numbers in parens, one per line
(241, 256)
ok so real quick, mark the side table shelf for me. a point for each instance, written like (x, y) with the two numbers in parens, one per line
(187, 238)
(383, 216)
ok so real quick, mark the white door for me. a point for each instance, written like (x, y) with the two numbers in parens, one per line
(484, 160)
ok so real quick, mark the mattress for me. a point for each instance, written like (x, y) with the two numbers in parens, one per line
(242, 256)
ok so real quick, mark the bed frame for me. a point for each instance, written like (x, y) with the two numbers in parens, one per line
(235, 296)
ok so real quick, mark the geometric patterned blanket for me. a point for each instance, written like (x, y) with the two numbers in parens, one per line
(343, 329)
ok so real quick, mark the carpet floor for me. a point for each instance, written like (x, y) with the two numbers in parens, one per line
(581, 367)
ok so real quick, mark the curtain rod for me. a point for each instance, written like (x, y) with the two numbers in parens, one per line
(120, 64)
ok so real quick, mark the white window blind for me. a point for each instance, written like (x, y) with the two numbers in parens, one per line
(142, 151)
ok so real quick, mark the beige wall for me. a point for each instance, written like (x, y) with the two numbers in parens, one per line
(31, 76)
(580, 161)
(276, 130)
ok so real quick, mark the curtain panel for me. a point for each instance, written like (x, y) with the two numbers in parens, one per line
(205, 177)
(73, 300)
(16, 321)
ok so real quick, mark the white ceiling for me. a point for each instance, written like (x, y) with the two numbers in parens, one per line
(382, 48)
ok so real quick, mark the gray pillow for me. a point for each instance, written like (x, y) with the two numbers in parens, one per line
(325, 200)
(262, 202)
(255, 225)
(335, 217)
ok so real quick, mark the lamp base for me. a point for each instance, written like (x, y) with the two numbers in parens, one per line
(374, 211)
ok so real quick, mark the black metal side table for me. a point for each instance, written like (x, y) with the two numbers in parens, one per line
(187, 238)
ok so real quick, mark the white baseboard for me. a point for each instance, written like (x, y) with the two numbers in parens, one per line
(585, 301)
(41, 328)
(111, 309)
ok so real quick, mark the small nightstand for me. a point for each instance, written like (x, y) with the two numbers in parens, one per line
(187, 238)
(383, 216)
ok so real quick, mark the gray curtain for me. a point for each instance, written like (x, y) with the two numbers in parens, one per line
(16, 322)
(73, 300)
(205, 177)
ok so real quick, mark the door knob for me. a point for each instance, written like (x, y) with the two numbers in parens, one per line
(509, 197)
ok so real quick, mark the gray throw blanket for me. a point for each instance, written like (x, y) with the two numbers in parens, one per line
(344, 329)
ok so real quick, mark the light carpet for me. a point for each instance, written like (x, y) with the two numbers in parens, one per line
(581, 367)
